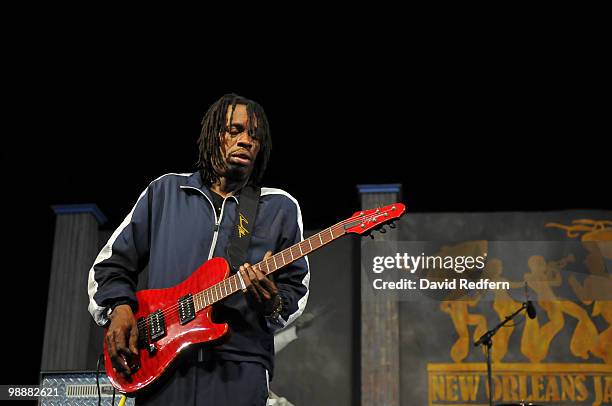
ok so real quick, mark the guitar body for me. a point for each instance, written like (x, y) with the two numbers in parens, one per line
(177, 337)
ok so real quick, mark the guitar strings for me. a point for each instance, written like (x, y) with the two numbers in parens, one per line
(172, 310)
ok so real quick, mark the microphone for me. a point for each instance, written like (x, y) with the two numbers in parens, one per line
(531, 311)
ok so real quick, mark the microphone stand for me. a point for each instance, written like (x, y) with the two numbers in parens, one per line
(486, 340)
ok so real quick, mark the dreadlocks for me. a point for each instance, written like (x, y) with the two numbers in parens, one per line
(214, 124)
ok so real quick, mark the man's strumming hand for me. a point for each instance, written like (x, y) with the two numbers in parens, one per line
(121, 340)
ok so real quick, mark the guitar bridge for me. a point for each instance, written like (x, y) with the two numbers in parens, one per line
(186, 309)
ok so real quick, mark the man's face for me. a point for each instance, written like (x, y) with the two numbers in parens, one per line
(238, 149)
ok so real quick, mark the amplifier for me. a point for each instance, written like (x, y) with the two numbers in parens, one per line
(78, 388)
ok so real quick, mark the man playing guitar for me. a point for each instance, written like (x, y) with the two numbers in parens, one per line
(179, 222)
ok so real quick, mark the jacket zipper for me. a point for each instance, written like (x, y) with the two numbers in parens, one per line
(217, 227)
(217, 219)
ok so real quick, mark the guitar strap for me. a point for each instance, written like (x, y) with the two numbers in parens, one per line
(243, 228)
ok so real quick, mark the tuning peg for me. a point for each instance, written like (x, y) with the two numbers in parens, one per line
(382, 230)
(392, 225)
(371, 235)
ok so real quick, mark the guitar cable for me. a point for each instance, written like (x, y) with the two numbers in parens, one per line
(98, 379)
(123, 397)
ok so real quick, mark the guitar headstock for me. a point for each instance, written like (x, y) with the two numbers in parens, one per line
(363, 221)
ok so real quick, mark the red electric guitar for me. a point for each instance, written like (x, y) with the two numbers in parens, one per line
(169, 320)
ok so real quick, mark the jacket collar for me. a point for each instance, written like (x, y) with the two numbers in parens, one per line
(194, 181)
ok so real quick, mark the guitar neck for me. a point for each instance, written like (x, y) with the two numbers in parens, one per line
(232, 284)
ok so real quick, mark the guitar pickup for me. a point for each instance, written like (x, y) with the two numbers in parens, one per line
(157, 325)
(186, 309)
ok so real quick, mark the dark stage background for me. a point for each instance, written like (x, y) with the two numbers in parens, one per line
(97, 124)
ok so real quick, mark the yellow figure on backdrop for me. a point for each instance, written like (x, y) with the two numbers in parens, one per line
(458, 308)
(536, 339)
(597, 287)
(461, 317)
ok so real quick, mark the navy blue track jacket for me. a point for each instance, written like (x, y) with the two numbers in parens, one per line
(178, 234)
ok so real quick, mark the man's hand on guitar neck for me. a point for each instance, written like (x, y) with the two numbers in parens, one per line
(121, 339)
(261, 289)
